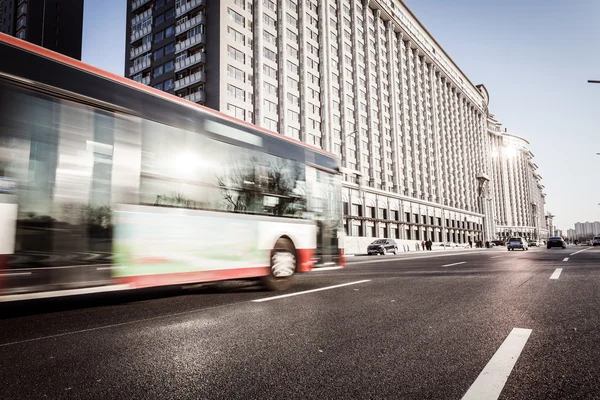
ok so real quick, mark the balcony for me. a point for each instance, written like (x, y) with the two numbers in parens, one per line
(187, 43)
(189, 6)
(199, 76)
(138, 51)
(195, 97)
(190, 23)
(141, 33)
(137, 4)
(145, 80)
(190, 61)
(139, 67)
(140, 17)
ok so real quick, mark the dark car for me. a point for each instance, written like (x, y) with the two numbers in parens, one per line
(498, 242)
(382, 246)
(556, 242)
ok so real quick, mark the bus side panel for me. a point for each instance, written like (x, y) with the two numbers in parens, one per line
(8, 227)
(160, 246)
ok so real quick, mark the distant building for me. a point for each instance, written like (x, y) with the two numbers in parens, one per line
(571, 234)
(54, 24)
(519, 196)
(585, 229)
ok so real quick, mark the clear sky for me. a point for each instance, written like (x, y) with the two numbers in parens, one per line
(534, 57)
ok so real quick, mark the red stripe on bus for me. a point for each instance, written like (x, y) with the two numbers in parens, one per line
(144, 281)
(32, 48)
(305, 259)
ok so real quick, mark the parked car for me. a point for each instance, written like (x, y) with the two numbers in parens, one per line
(533, 243)
(382, 246)
(498, 242)
(556, 242)
(517, 243)
(596, 241)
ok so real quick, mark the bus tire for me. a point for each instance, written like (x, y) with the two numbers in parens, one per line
(283, 264)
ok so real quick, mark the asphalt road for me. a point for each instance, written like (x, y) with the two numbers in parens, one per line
(418, 326)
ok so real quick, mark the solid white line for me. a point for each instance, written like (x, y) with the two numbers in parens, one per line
(16, 274)
(458, 263)
(496, 256)
(572, 254)
(60, 293)
(556, 273)
(493, 377)
(402, 258)
(325, 268)
(566, 259)
(309, 291)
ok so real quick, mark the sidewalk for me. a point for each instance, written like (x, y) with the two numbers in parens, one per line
(435, 249)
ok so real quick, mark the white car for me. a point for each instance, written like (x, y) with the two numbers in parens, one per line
(517, 243)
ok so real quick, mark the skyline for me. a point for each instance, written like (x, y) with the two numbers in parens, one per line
(517, 99)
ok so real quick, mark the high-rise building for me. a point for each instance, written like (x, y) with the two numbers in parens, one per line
(519, 196)
(363, 79)
(54, 24)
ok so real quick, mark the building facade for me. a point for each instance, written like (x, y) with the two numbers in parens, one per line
(363, 79)
(519, 196)
(54, 24)
(587, 229)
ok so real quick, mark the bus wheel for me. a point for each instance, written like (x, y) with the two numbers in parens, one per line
(283, 266)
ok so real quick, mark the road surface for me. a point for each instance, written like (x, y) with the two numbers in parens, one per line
(463, 324)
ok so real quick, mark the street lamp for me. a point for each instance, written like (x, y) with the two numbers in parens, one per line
(592, 81)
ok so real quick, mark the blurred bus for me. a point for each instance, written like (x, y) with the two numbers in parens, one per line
(107, 183)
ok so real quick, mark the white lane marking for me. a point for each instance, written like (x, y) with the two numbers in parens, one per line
(556, 273)
(60, 293)
(309, 291)
(458, 263)
(402, 258)
(16, 274)
(566, 259)
(496, 256)
(493, 377)
(316, 269)
(586, 249)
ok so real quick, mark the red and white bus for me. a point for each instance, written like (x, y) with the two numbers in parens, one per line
(105, 182)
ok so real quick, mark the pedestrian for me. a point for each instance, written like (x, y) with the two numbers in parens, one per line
(423, 245)
(429, 245)
(417, 246)
(470, 243)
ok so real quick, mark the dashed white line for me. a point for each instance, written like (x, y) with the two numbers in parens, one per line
(577, 252)
(493, 377)
(309, 291)
(496, 256)
(16, 274)
(566, 259)
(325, 268)
(556, 273)
(457, 263)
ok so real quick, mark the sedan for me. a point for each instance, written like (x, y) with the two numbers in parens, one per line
(382, 246)
(517, 243)
(556, 242)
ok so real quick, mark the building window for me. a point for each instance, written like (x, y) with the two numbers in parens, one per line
(236, 92)
(236, 54)
(293, 99)
(270, 124)
(268, 37)
(159, 19)
(235, 17)
(292, 52)
(169, 66)
(170, 31)
(269, 71)
(158, 86)
(269, 21)
(170, 48)
(269, 54)
(158, 36)
(235, 73)
(158, 71)
(270, 5)
(168, 84)
(293, 116)
(270, 89)
(158, 54)
(236, 36)
(236, 112)
(270, 106)
(292, 83)
(293, 68)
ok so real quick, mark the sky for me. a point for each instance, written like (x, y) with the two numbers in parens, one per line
(533, 56)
